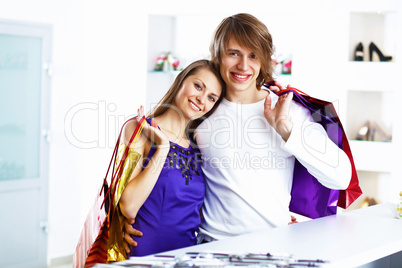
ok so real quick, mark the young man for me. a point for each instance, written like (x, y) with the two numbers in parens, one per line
(250, 143)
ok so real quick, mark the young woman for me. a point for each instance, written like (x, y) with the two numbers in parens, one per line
(166, 190)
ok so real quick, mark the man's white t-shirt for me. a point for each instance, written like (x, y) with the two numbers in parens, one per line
(248, 167)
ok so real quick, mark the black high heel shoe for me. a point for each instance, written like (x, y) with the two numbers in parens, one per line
(359, 52)
(372, 48)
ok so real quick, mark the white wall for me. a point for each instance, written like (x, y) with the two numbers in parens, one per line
(314, 31)
(98, 60)
(99, 57)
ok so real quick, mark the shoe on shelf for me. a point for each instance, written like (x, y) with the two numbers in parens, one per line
(359, 52)
(368, 201)
(364, 132)
(374, 48)
(369, 129)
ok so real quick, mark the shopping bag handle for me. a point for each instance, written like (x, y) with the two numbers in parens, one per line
(113, 181)
(303, 99)
(291, 89)
(286, 90)
(134, 138)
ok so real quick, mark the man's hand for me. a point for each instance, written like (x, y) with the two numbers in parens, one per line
(293, 220)
(276, 86)
(278, 117)
(128, 231)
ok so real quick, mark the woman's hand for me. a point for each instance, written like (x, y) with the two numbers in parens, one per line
(153, 132)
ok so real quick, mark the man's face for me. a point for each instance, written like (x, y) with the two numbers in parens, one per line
(239, 67)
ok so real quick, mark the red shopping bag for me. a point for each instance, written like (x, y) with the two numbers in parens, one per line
(92, 245)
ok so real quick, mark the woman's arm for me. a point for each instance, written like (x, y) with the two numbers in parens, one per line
(143, 181)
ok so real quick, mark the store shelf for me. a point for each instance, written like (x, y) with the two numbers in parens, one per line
(365, 91)
(372, 155)
(164, 72)
(372, 88)
(373, 106)
(369, 75)
(377, 27)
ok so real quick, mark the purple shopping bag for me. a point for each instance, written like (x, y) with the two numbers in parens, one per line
(309, 197)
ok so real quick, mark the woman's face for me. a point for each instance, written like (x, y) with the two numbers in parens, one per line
(198, 94)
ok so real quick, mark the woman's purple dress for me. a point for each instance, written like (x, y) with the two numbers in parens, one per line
(170, 216)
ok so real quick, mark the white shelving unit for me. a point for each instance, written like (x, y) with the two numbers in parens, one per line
(372, 92)
(180, 35)
(379, 27)
(363, 90)
(161, 39)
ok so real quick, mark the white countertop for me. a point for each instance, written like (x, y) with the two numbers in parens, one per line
(348, 239)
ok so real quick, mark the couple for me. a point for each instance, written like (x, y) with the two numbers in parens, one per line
(247, 136)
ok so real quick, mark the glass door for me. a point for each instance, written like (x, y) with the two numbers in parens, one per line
(24, 123)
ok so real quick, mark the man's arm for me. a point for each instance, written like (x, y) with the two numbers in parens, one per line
(128, 231)
(310, 144)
